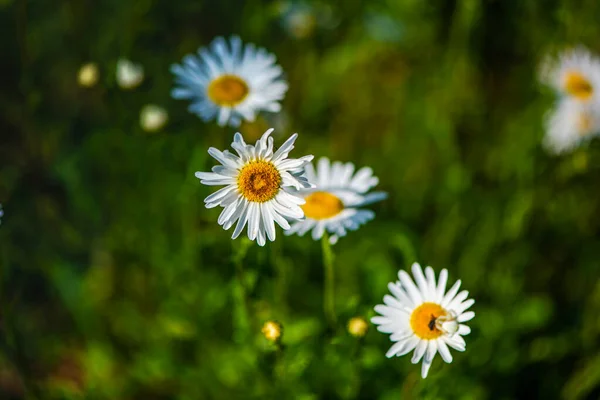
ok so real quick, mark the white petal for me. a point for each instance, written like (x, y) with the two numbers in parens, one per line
(431, 350)
(253, 221)
(242, 221)
(454, 342)
(400, 335)
(462, 296)
(419, 351)
(410, 287)
(466, 316)
(396, 347)
(285, 148)
(293, 163)
(430, 275)
(380, 320)
(441, 286)
(219, 194)
(463, 330)
(268, 221)
(425, 369)
(226, 159)
(450, 295)
(444, 351)
(393, 302)
(401, 348)
(397, 291)
(421, 282)
(229, 211)
(318, 231)
(282, 222)
(323, 172)
(464, 306)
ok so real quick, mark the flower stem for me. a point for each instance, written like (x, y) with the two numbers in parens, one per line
(241, 318)
(329, 293)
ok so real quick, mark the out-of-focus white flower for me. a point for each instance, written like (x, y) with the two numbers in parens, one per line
(571, 124)
(88, 75)
(129, 74)
(575, 73)
(230, 82)
(300, 23)
(334, 204)
(153, 117)
(424, 317)
(300, 19)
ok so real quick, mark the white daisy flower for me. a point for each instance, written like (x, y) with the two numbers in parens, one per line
(575, 73)
(333, 205)
(129, 74)
(423, 317)
(258, 187)
(571, 124)
(230, 82)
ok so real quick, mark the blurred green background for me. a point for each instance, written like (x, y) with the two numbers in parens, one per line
(117, 283)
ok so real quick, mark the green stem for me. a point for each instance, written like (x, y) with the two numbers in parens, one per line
(241, 317)
(329, 293)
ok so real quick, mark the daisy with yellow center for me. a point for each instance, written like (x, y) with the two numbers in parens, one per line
(424, 317)
(574, 74)
(260, 186)
(230, 82)
(571, 124)
(333, 205)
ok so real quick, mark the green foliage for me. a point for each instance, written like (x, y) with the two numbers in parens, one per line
(117, 283)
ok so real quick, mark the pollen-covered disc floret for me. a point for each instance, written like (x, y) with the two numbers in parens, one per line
(333, 205)
(230, 82)
(574, 73)
(423, 317)
(260, 186)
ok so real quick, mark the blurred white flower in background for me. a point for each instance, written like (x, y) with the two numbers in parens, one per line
(153, 117)
(129, 74)
(300, 20)
(334, 204)
(575, 73)
(575, 76)
(230, 81)
(424, 317)
(88, 75)
(571, 124)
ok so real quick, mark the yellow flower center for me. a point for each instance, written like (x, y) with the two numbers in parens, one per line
(322, 205)
(228, 90)
(423, 320)
(259, 181)
(578, 86)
